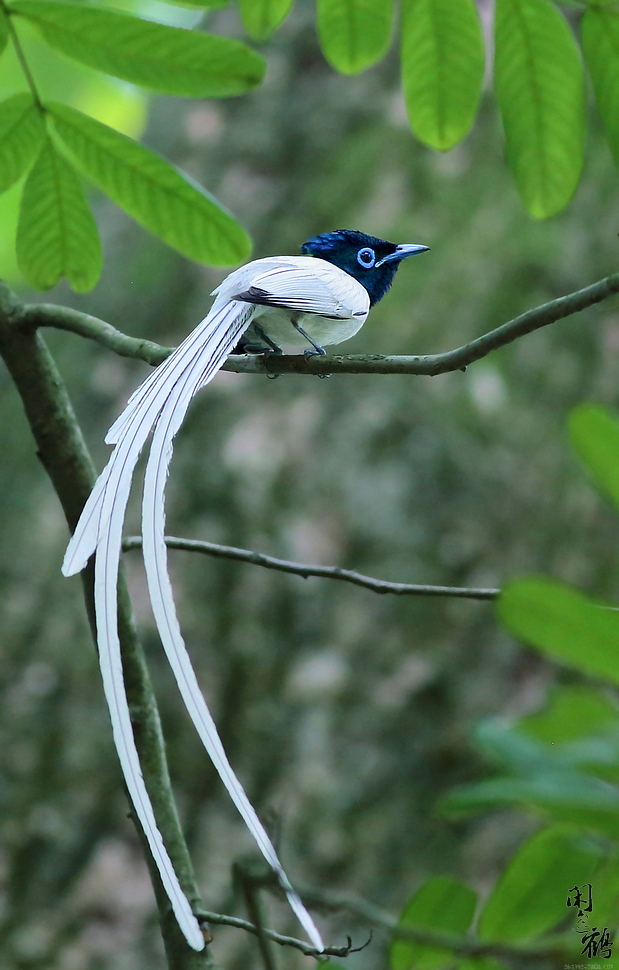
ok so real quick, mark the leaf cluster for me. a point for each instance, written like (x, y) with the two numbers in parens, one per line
(55, 144)
(562, 764)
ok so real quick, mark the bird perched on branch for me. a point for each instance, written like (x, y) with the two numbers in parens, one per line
(322, 297)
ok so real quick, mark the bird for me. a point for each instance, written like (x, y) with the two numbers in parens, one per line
(320, 297)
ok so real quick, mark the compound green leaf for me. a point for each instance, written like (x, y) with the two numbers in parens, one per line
(600, 44)
(594, 435)
(22, 131)
(530, 897)
(152, 191)
(354, 33)
(442, 68)
(4, 30)
(56, 233)
(540, 89)
(564, 624)
(261, 17)
(441, 903)
(172, 60)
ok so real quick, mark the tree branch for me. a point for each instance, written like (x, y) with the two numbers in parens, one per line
(63, 453)
(63, 318)
(557, 946)
(306, 948)
(325, 572)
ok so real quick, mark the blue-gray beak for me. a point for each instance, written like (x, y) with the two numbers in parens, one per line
(406, 249)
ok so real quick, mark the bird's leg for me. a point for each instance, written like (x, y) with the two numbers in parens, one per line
(247, 346)
(317, 348)
(273, 347)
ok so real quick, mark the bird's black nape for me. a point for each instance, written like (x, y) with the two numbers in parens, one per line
(373, 262)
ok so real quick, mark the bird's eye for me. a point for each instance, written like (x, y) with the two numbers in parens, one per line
(366, 257)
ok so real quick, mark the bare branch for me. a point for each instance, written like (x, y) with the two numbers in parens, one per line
(556, 946)
(325, 572)
(63, 318)
(310, 951)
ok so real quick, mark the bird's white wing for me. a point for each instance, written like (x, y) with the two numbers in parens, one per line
(303, 284)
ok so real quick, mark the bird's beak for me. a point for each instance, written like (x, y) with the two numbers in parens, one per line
(406, 249)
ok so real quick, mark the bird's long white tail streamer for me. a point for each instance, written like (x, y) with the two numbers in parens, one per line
(162, 600)
(161, 401)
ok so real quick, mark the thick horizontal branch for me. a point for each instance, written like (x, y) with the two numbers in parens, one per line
(63, 318)
(325, 572)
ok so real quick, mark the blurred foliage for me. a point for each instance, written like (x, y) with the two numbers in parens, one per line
(539, 81)
(348, 715)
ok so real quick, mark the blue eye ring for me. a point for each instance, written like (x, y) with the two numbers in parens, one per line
(366, 257)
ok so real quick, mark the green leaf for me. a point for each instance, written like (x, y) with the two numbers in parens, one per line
(539, 85)
(152, 191)
(574, 712)
(530, 896)
(354, 33)
(481, 963)
(168, 59)
(198, 3)
(594, 435)
(564, 624)
(56, 233)
(600, 44)
(442, 68)
(262, 17)
(441, 903)
(4, 30)
(22, 131)
(565, 796)
(606, 892)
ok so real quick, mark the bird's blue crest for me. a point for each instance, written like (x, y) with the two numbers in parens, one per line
(372, 261)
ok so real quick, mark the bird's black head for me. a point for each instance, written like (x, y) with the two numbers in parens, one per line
(371, 261)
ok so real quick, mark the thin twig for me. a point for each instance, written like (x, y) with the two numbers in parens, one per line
(63, 318)
(325, 572)
(556, 946)
(306, 948)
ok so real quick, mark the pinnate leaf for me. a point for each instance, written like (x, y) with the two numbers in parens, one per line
(530, 896)
(22, 131)
(442, 68)
(261, 17)
(441, 903)
(564, 624)
(152, 191)
(594, 434)
(540, 89)
(354, 33)
(600, 44)
(168, 59)
(56, 233)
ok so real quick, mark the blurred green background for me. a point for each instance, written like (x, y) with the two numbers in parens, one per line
(347, 715)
